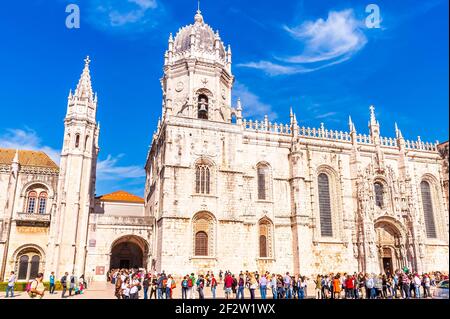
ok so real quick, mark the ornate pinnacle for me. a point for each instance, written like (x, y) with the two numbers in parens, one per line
(373, 120)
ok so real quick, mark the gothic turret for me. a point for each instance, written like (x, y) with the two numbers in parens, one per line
(76, 183)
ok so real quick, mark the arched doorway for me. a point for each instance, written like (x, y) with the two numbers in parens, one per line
(129, 252)
(390, 244)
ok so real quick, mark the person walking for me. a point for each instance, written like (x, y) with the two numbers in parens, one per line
(52, 283)
(273, 285)
(72, 284)
(10, 285)
(184, 287)
(63, 281)
(417, 285)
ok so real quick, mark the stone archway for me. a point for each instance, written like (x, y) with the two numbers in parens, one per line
(390, 242)
(129, 251)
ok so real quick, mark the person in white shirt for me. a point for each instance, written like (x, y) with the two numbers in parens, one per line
(126, 289)
(134, 288)
(10, 286)
(417, 284)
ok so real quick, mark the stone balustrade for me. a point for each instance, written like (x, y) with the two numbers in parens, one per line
(40, 220)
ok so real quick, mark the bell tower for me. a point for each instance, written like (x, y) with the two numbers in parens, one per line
(197, 79)
(76, 183)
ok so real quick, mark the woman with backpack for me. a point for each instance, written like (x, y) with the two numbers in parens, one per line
(37, 287)
(184, 287)
(200, 286)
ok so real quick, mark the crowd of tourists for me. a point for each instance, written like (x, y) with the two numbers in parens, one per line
(400, 284)
(35, 287)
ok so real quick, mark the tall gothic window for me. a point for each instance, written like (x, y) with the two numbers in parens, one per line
(201, 244)
(42, 202)
(263, 178)
(379, 194)
(202, 107)
(428, 209)
(202, 179)
(31, 203)
(326, 227)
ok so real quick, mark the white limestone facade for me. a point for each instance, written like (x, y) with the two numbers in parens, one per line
(234, 194)
(223, 192)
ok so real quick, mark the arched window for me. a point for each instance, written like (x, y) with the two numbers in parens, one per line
(34, 266)
(263, 177)
(23, 268)
(31, 202)
(326, 227)
(202, 179)
(77, 140)
(379, 194)
(203, 107)
(427, 204)
(201, 244)
(28, 262)
(42, 202)
(265, 235)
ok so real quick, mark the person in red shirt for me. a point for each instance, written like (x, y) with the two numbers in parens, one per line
(349, 286)
(228, 285)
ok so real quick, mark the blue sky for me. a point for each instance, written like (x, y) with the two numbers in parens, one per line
(317, 56)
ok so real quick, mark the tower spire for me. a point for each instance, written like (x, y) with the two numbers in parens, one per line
(84, 87)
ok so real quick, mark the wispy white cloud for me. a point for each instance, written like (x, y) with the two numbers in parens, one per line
(325, 43)
(27, 139)
(271, 68)
(325, 40)
(124, 15)
(251, 103)
(109, 169)
(325, 115)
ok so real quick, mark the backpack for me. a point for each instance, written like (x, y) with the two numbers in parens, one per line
(174, 285)
(28, 287)
(189, 283)
(184, 283)
(164, 283)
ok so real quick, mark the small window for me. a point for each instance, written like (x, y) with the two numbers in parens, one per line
(77, 140)
(42, 202)
(31, 205)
